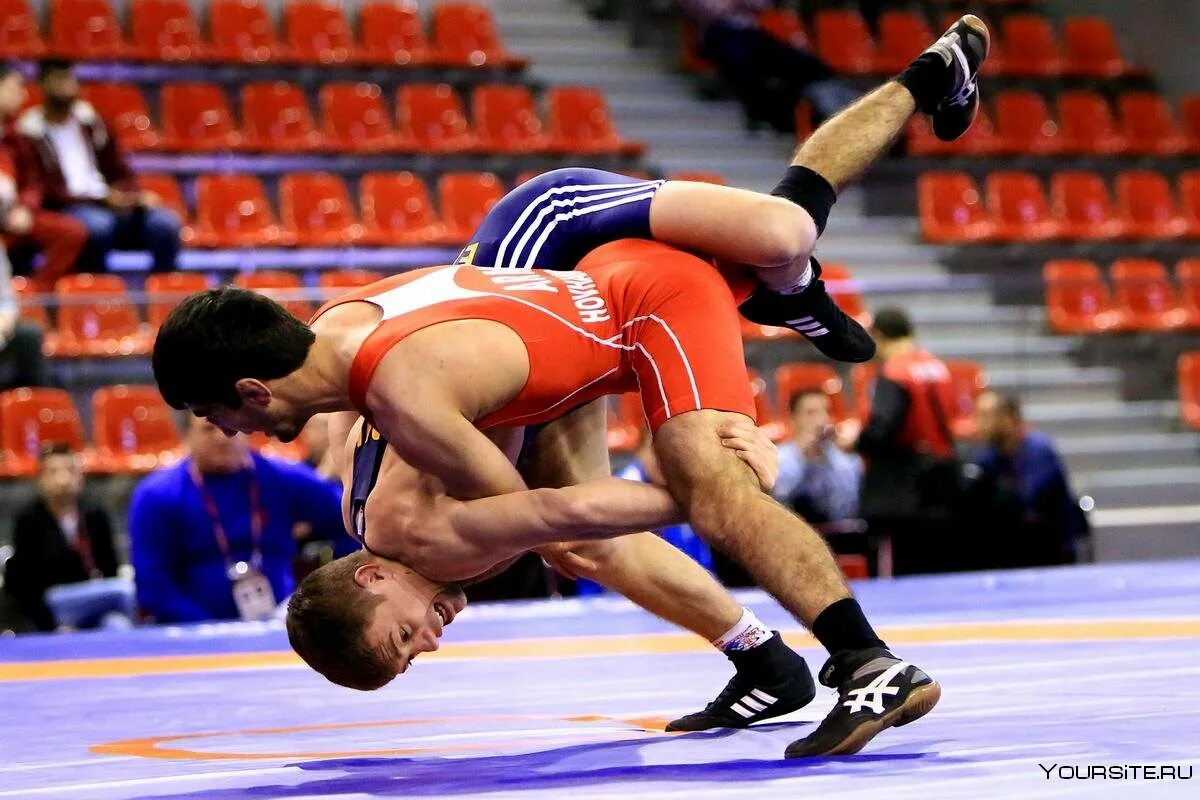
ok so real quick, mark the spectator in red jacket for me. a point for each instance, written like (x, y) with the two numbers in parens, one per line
(27, 229)
(75, 165)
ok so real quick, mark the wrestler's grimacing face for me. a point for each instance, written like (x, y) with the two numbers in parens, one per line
(411, 616)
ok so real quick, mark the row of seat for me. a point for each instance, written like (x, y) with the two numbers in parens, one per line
(1083, 123)
(1143, 297)
(242, 31)
(1188, 371)
(1023, 44)
(1015, 208)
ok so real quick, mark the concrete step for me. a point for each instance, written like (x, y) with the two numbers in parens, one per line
(1120, 488)
(1145, 534)
(1077, 385)
(1145, 416)
(1130, 451)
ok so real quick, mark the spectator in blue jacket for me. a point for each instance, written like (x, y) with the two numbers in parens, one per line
(213, 536)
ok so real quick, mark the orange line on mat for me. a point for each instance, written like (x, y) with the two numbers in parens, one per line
(643, 644)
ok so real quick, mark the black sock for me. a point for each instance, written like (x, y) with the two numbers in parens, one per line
(770, 663)
(928, 80)
(843, 626)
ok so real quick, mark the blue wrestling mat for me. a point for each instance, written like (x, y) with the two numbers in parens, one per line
(1073, 682)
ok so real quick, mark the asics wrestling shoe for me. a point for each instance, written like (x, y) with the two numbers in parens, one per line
(964, 48)
(745, 700)
(876, 691)
(813, 314)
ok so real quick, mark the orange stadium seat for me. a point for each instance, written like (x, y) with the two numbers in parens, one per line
(165, 30)
(506, 120)
(1189, 389)
(431, 117)
(1077, 300)
(1146, 205)
(980, 139)
(843, 41)
(626, 422)
(276, 118)
(968, 380)
(316, 209)
(19, 33)
(1091, 48)
(196, 117)
(171, 197)
(902, 37)
(1087, 124)
(86, 29)
(355, 119)
(1149, 124)
(1189, 202)
(1145, 296)
(951, 209)
(466, 199)
(765, 414)
(167, 290)
(1030, 46)
(339, 281)
(1019, 207)
(791, 379)
(579, 123)
(32, 302)
(317, 32)
(843, 289)
(1083, 206)
(1023, 124)
(29, 418)
(124, 111)
(132, 429)
(96, 318)
(1187, 273)
(281, 286)
(464, 34)
(242, 31)
(391, 34)
(396, 210)
(232, 211)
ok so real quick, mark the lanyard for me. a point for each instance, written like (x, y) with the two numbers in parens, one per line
(256, 514)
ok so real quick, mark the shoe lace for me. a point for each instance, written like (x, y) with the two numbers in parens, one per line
(964, 96)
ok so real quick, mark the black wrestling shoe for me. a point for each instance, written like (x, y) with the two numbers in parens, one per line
(743, 701)
(964, 48)
(814, 315)
(876, 690)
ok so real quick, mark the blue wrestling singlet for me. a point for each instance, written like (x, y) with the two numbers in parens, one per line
(368, 458)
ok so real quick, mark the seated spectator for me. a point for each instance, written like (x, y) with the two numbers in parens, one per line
(21, 362)
(61, 538)
(74, 164)
(212, 536)
(25, 228)
(1022, 490)
(816, 478)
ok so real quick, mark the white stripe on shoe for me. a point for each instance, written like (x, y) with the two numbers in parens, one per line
(751, 703)
(742, 711)
(766, 698)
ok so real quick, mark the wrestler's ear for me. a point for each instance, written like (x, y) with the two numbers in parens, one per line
(253, 392)
(369, 573)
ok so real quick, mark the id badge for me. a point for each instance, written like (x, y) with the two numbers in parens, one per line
(252, 593)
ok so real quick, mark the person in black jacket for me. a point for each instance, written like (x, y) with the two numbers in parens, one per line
(59, 538)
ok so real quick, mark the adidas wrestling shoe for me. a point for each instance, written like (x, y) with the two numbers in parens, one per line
(964, 48)
(876, 691)
(745, 701)
(814, 315)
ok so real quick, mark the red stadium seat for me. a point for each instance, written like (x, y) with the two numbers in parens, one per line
(232, 211)
(1189, 113)
(1189, 201)
(791, 379)
(1019, 207)
(1187, 273)
(951, 209)
(902, 37)
(862, 378)
(1030, 46)
(431, 117)
(1091, 48)
(506, 120)
(1145, 296)
(765, 414)
(165, 30)
(980, 139)
(466, 199)
(132, 429)
(355, 119)
(30, 418)
(968, 380)
(1083, 206)
(316, 209)
(124, 111)
(392, 34)
(1189, 389)
(1146, 205)
(1087, 125)
(844, 43)
(32, 302)
(626, 422)
(1149, 125)
(171, 197)
(841, 286)
(340, 281)
(167, 290)
(396, 210)
(317, 32)
(86, 29)
(1023, 124)
(282, 287)
(784, 25)
(96, 318)
(1077, 300)
(464, 34)
(276, 118)
(579, 123)
(196, 117)
(19, 33)
(242, 31)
